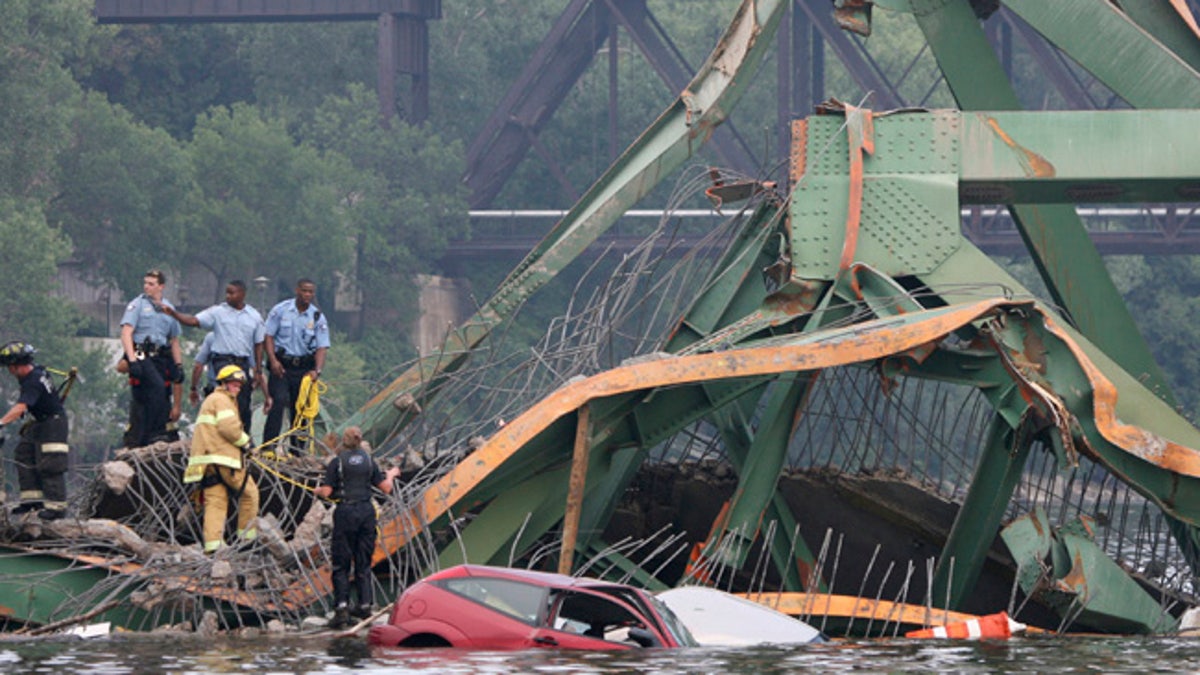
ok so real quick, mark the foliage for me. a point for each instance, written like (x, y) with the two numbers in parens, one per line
(48, 322)
(267, 204)
(295, 66)
(403, 199)
(128, 191)
(1163, 294)
(37, 90)
(29, 269)
(168, 74)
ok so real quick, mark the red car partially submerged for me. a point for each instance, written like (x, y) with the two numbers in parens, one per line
(481, 607)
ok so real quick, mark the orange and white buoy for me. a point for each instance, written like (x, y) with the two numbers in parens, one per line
(991, 626)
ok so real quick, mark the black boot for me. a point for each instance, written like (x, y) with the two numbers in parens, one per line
(26, 507)
(341, 618)
(361, 612)
(50, 514)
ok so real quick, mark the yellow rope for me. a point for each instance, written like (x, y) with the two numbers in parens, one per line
(308, 405)
(263, 465)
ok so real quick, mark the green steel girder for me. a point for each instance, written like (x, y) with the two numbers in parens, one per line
(527, 509)
(758, 475)
(737, 293)
(673, 138)
(625, 432)
(731, 421)
(35, 584)
(1110, 156)
(759, 460)
(910, 208)
(1143, 71)
(1062, 251)
(978, 520)
(534, 481)
(1066, 569)
(1001, 155)
(1161, 19)
(736, 289)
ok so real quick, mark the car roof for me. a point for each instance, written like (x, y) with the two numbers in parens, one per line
(528, 576)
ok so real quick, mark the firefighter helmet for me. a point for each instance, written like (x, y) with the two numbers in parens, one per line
(231, 372)
(16, 353)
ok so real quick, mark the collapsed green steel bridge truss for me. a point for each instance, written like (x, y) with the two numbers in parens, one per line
(861, 267)
(870, 235)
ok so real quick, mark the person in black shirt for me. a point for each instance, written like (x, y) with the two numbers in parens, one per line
(349, 478)
(42, 452)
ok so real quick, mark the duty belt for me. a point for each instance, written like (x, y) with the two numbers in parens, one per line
(224, 359)
(296, 361)
(149, 349)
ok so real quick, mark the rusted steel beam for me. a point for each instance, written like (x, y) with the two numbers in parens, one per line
(183, 11)
(679, 132)
(856, 608)
(865, 342)
(575, 487)
(538, 90)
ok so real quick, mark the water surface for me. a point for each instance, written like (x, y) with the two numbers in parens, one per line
(192, 654)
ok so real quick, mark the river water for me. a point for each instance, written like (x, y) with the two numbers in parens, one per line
(191, 654)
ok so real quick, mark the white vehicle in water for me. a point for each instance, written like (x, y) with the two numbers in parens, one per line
(718, 619)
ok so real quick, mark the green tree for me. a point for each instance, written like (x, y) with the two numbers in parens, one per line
(167, 75)
(38, 93)
(295, 66)
(403, 198)
(267, 204)
(28, 270)
(128, 194)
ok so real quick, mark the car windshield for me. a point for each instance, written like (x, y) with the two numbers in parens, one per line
(679, 631)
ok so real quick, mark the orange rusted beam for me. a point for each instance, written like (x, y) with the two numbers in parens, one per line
(860, 131)
(851, 607)
(578, 480)
(1137, 441)
(862, 342)
(866, 609)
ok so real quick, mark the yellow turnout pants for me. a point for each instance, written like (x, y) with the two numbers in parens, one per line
(216, 506)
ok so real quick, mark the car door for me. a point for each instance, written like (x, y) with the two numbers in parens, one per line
(581, 619)
(494, 613)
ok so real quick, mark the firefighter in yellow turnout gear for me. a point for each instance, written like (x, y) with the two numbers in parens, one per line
(217, 461)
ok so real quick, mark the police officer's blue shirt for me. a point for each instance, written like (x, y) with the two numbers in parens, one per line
(235, 331)
(297, 333)
(204, 358)
(149, 323)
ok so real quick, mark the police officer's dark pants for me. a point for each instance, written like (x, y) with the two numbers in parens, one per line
(42, 463)
(150, 393)
(353, 544)
(284, 393)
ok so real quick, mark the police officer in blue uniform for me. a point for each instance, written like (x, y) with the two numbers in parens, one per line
(42, 453)
(237, 339)
(296, 342)
(202, 368)
(349, 479)
(150, 340)
(204, 376)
